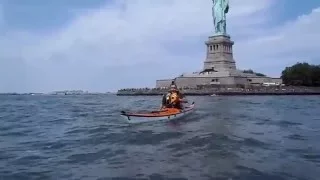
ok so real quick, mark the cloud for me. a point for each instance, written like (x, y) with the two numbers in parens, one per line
(284, 45)
(129, 32)
(104, 48)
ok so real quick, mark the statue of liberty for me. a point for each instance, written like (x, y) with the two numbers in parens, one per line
(219, 10)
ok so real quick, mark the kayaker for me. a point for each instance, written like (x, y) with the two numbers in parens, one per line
(173, 99)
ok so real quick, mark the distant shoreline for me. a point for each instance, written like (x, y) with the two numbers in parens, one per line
(228, 94)
(53, 94)
(256, 91)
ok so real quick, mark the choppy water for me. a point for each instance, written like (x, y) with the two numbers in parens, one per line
(82, 137)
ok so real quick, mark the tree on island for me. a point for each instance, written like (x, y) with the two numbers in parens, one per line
(260, 74)
(250, 71)
(301, 74)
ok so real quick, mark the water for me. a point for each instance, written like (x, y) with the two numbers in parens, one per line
(82, 137)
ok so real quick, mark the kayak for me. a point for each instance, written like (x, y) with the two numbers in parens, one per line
(164, 114)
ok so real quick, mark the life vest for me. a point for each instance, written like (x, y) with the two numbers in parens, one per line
(174, 98)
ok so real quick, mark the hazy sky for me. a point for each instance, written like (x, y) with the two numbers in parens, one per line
(104, 45)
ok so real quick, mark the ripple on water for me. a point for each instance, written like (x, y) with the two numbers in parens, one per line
(94, 156)
(25, 174)
(289, 123)
(296, 137)
(149, 137)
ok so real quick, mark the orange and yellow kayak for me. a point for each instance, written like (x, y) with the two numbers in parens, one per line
(164, 114)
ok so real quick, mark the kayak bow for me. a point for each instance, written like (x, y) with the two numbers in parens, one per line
(165, 114)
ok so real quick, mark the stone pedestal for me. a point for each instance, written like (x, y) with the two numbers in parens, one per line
(219, 54)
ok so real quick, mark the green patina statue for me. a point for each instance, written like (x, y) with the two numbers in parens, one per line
(219, 10)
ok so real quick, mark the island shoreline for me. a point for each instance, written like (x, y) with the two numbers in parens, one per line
(271, 91)
(228, 94)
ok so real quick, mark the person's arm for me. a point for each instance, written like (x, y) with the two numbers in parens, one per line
(163, 101)
(181, 98)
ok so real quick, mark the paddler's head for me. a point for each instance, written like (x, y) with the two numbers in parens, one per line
(173, 87)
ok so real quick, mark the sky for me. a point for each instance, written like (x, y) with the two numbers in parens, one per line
(106, 45)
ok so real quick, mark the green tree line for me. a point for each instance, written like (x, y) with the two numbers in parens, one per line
(301, 74)
(250, 71)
